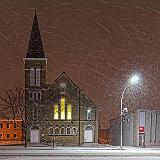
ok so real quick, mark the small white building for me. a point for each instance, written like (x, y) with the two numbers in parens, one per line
(141, 128)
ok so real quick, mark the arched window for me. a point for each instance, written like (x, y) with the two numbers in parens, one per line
(50, 131)
(74, 131)
(89, 127)
(62, 130)
(56, 111)
(62, 108)
(56, 130)
(89, 113)
(69, 112)
(68, 130)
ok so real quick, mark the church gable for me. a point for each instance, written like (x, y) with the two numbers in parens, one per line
(62, 86)
(64, 89)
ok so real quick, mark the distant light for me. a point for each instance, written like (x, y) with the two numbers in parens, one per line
(134, 79)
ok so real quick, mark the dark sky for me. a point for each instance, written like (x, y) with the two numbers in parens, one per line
(98, 43)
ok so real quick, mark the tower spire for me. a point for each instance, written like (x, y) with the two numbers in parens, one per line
(35, 47)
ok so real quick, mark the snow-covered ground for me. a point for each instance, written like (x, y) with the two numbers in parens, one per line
(79, 151)
(79, 158)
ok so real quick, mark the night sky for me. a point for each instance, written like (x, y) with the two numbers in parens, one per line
(98, 43)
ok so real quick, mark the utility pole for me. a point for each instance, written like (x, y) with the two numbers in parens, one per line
(79, 104)
(53, 141)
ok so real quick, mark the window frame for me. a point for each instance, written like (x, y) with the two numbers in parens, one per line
(89, 111)
(39, 95)
(14, 125)
(8, 135)
(69, 105)
(57, 115)
(1, 125)
(50, 131)
(38, 77)
(15, 136)
(56, 128)
(7, 125)
(1, 137)
(62, 110)
(74, 133)
(70, 129)
(61, 130)
(32, 77)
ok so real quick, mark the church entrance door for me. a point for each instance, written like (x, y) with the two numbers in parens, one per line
(88, 134)
(34, 136)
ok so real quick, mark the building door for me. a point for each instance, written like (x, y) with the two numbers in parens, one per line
(34, 136)
(88, 134)
(141, 140)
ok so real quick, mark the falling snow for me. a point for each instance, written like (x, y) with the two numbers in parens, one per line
(98, 43)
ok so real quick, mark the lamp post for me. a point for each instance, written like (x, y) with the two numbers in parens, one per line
(133, 80)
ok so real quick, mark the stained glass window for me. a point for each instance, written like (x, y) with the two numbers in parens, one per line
(69, 112)
(56, 111)
(62, 108)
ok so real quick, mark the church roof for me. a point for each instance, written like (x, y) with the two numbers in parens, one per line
(64, 78)
(35, 47)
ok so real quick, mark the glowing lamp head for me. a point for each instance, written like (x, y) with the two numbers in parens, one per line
(134, 79)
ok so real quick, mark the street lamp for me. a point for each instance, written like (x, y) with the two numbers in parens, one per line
(133, 80)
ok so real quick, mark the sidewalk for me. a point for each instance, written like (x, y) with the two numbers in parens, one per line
(78, 151)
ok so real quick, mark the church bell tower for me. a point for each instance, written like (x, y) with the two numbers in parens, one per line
(35, 67)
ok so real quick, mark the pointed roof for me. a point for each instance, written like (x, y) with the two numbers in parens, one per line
(66, 77)
(35, 47)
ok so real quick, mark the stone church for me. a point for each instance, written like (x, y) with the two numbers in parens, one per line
(59, 112)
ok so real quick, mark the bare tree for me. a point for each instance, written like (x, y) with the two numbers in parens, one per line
(12, 102)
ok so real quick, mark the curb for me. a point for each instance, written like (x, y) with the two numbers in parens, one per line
(78, 155)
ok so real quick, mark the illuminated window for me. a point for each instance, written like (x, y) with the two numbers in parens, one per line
(56, 111)
(89, 115)
(62, 108)
(69, 112)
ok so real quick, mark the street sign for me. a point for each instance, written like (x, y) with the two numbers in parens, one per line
(141, 129)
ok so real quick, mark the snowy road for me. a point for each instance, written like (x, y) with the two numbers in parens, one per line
(77, 158)
(78, 153)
